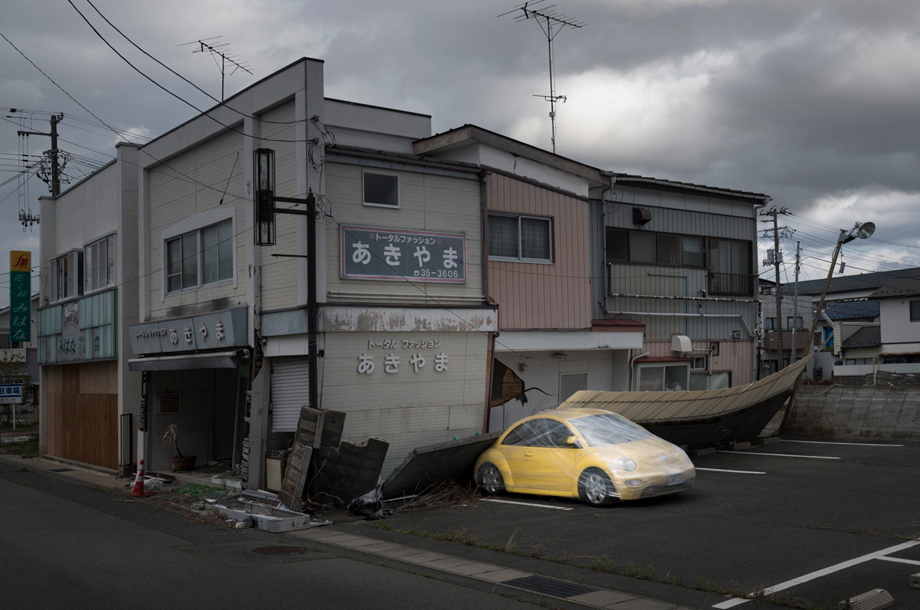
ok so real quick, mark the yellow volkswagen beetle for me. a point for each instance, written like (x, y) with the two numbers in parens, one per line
(591, 454)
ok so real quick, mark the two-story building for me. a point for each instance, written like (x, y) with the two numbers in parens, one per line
(680, 258)
(90, 404)
(402, 329)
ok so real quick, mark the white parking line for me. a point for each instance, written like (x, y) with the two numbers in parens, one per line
(737, 601)
(788, 455)
(527, 504)
(735, 471)
(789, 440)
(899, 560)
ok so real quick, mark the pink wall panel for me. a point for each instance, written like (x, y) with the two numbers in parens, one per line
(543, 296)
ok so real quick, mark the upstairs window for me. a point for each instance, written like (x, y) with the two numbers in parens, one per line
(381, 189)
(520, 238)
(731, 272)
(67, 276)
(646, 247)
(99, 264)
(200, 258)
(799, 323)
(915, 311)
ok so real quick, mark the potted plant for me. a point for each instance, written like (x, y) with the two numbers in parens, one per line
(171, 439)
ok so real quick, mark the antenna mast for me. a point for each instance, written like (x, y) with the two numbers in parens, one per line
(546, 18)
(218, 50)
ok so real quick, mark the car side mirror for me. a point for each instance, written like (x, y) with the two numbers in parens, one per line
(573, 441)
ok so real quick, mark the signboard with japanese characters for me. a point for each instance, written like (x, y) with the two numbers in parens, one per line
(85, 329)
(369, 253)
(20, 296)
(209, 331)
(408, 355)
(10, 393)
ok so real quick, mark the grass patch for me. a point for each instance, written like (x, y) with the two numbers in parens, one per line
(27, 448)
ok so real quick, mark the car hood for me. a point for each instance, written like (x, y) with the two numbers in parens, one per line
(649, 452)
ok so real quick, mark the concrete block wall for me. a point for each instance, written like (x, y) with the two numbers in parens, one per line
(876, 413)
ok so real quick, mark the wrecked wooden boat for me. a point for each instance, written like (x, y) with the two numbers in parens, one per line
(700, 419)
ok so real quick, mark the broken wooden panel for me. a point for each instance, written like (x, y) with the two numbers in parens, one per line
(348, 472)
(447, 461)
(315, 428)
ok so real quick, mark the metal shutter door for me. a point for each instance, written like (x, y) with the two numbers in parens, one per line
(290, 391)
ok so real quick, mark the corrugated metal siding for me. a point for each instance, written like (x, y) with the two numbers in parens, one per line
(684, 222)
(290, 390)
(532, 295)
(654, 280)
(734, 356)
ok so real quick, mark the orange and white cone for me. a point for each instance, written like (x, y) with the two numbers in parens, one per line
(138, 490)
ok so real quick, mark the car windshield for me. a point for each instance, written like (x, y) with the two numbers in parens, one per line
(609, 429)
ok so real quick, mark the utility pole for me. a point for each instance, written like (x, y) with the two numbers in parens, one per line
(26, 217)
(777, 258)
(795, 301)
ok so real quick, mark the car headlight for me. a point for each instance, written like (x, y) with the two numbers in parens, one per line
(624, 463)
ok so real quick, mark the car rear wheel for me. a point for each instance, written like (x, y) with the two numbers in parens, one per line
(490, 479)
(595, 487)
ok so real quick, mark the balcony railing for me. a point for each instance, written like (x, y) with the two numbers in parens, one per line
(731, 284)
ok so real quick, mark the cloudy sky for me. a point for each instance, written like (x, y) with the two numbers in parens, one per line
(813, 102)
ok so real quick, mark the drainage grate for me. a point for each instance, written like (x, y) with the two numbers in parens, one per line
(61, 470)
(279, 550)
(550, 586)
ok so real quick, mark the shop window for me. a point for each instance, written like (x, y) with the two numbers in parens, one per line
(381, 189)
(67, 276)
(200, 258)
(99, 264)
(521, 238)
(915, 311)
(670, 377)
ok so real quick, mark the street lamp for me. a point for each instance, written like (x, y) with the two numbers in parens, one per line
(862, 230)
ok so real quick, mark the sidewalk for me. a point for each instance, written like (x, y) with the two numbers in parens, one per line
(409, 550)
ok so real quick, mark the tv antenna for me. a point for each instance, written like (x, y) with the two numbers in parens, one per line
(219, 50)
(547, 17)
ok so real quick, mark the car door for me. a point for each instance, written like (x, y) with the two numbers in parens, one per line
(539, 458)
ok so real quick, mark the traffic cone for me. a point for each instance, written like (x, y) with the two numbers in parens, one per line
(138, 491)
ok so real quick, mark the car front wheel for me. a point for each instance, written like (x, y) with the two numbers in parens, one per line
(490, 479)
(595, 487)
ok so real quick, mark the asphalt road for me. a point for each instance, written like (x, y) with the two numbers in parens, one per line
(65, 545)
(789, 512)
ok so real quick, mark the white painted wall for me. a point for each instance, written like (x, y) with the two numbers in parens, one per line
(896, 326)
(608, 370)
(86, 211)
(428, 202)
(408, 409)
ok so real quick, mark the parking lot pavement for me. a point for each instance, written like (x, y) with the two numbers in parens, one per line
(809, 522)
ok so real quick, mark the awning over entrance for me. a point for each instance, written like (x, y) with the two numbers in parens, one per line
(213, 360)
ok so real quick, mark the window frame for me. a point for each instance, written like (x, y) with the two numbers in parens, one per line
(107, 244)
(656, 241)
(519, 240)
(375, 172)
(641, 367)
(200, 258)
(914, 316)
(57, 277)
